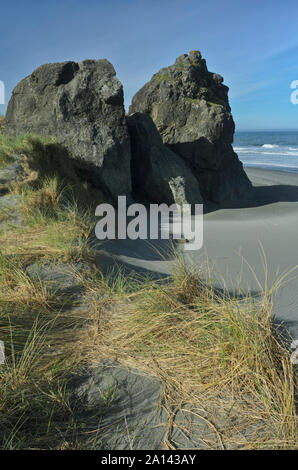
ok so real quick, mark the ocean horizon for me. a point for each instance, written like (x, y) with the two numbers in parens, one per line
(272, 150)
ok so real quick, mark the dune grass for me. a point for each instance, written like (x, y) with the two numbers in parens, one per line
(216, 355)
(34, 321)
(41, 333)
(214, 352)
(58, 206)
(1, 123)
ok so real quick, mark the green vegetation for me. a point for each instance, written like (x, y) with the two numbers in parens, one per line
(196, 53)
(58, 207)
(38, 326)
(42, 336)
(165, 77)
(213, 104)
(197, 101)
(195, 58)
(192, 101)
(216, 102)
(1, 123)
(214, 352)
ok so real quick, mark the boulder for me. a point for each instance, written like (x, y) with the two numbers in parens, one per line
(126, 407)
(81, 104)
(11, 214)
(158, 174)
(190, 108)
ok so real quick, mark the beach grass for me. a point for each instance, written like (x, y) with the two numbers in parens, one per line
(58, 208)
(217, 355)
(2, 119)
(215, 352)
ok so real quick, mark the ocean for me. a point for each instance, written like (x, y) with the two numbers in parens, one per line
(268, 149)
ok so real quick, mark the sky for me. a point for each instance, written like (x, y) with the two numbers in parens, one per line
(253, 44)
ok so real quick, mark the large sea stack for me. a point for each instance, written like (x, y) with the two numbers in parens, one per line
(81, 104)
(190, 108)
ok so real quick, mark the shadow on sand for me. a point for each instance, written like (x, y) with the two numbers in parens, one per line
(259, 196)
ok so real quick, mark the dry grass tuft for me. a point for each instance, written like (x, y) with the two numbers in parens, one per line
(216, 354)
(41, 330)
(2, 119)
(45, 341)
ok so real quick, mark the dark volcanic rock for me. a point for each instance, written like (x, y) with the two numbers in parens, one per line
(81, 104)
(62, 279)
(158, 174)
(11, 214)
(190, 108)
(125, 407)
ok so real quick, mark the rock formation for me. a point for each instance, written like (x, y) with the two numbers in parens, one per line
(190, 108)
(158, 174)
(81, 104)
(134, 413)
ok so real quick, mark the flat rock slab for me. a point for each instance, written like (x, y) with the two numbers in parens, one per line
(10, 212)
(126, 407)
(11, 172)
(63, 279)
(7, 175)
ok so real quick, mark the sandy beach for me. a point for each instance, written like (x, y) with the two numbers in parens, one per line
(235, 242)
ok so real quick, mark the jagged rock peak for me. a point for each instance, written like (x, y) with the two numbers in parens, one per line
(190, 108)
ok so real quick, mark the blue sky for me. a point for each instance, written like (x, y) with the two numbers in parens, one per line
(253, 44)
